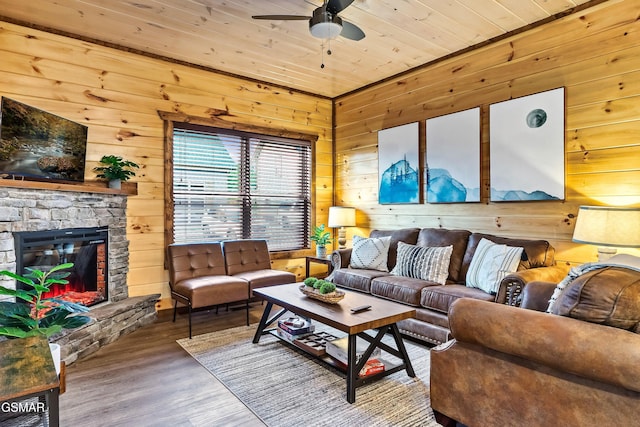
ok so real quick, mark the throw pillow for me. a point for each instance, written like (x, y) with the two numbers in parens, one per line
(426, 263)
(490, 264)
(370, 253)
(608, 296)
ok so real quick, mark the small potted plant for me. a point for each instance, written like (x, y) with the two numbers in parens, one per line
(35, 315)
(322, 239)
(115, 170)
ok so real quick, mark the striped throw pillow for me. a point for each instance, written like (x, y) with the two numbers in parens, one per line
(426, 263)
(490, 264)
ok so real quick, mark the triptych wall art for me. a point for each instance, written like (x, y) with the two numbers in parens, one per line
(453, 157)
(526, 154)
(398, 164)
(527, 147)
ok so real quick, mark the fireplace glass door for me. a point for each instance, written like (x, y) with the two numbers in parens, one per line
(86, 248)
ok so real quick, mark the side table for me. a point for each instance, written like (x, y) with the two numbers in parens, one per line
(26, 369)
(325, 261)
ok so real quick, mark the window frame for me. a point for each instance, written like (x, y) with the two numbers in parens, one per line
(170, 118)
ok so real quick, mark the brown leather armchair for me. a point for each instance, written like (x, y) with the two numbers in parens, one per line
(518, 366)
(197, 277)
(250, 260)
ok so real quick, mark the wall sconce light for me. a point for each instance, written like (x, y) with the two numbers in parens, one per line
(608, 228)
(341, 217)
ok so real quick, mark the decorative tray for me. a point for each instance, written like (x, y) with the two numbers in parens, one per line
(316, 343)
(332, 297)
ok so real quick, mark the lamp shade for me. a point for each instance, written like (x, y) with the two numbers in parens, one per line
(340, 216)
(608, 226)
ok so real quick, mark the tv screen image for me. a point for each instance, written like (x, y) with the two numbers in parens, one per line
(38, 145)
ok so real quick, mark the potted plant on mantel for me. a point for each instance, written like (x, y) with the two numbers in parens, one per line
(115, 170)
(322, 239)
(39, 316)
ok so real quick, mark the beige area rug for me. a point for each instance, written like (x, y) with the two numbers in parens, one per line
(285, 387)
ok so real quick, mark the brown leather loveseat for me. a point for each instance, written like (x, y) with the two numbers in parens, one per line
(517, 366)
(208, 274)
(432, 300)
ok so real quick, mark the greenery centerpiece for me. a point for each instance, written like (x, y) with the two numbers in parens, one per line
(323, 286)
(322, 290)
(115, 170)
(322, 239)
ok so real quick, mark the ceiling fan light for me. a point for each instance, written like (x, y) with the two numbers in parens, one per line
(323, 25)
(326, 30)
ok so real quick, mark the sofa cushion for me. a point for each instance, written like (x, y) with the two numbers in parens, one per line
(405, 290)
(536, 253)
(490, 264)
(431, 237)
(356, 278)
(370, 253)
(440, 298)
(431, 264)
(608, 296)
(406, 235)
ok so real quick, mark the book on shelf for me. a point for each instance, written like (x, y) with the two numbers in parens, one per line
(289, 336)
(338, 349)
(371, 367)
(296, 325)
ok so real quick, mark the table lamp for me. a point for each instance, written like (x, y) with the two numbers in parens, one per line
(608, 228)
(340, 216)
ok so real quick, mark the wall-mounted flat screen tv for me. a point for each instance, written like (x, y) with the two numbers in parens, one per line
(38, 145)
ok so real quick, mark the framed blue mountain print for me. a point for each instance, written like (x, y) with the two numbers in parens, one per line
(398, 164)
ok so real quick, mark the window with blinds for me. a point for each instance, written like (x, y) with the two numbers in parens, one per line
(237, 185)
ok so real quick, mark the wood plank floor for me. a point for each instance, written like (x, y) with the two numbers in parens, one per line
(146, 379)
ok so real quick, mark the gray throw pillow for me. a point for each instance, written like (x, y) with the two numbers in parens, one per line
(425, 263)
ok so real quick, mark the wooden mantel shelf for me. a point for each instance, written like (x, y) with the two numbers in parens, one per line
(128, 188)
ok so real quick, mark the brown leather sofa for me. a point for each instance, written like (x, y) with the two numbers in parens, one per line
(432, 300)
(514, 366)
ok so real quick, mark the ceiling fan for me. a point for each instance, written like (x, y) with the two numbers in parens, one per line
(325, 22)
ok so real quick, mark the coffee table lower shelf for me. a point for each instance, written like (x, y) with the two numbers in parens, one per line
(353, 379)
(389, 367)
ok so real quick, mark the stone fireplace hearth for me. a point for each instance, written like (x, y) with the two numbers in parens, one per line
(27, 209)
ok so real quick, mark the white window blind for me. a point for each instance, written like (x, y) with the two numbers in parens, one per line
(235, 185)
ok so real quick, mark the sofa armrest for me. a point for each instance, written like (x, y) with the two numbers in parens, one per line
(512, 285)
(340, 258)
(536, 295)
(597, 352)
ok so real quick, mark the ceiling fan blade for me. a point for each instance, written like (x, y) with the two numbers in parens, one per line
(283, 17)
(337, 6)
(351, 31)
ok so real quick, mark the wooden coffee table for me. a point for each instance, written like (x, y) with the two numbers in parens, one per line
(382, 316)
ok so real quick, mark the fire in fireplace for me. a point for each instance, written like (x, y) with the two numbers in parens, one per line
(86, 248)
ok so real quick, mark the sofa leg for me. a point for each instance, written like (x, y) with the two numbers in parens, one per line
(247, 305)
(443, 420)
(175, 308)
(189, 305)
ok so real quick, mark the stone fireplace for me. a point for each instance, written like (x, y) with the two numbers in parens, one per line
(24, 211)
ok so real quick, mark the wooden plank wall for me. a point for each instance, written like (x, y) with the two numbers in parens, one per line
(594, 54)
(118, 95)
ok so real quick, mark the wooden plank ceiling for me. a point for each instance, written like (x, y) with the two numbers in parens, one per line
(220, 34)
